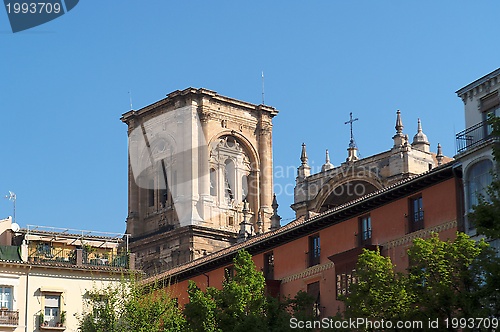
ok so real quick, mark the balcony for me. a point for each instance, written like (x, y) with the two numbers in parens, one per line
(9, 317)
(365, 237)
(473, 137)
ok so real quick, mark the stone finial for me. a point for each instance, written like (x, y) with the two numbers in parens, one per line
(420, 141)
(327, 165)
(303, 155)
(259, 223)
(439, 155)
(399, 123)
(399, 138)
(245, 227)
(275, 218)
(352, 154)
(304, 169)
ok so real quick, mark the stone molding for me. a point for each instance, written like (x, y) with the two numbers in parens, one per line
(311, 271)
(423, 233)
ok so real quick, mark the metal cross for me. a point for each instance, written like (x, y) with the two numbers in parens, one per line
(351, 120)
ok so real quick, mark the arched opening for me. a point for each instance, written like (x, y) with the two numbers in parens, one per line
(346, 192)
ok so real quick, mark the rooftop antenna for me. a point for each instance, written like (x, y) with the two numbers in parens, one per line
(12, 197)
(130, 98)
(263, 88)
(352, 143)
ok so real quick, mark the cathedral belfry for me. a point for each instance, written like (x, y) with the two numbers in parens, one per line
(195, 157)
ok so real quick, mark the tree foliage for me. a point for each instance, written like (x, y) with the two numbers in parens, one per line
(130, 306)
(378, 291)
(446, 279)
(241, 305)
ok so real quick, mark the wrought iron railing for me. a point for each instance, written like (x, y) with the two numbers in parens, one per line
(69, 256)
(9, 317)
(473, 136)
(417, 220)
(365, 237)
(109, 259)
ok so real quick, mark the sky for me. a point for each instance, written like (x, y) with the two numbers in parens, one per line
(65, 84)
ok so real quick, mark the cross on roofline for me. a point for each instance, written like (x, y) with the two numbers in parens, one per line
(351, 120)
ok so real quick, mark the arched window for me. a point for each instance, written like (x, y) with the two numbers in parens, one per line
(244, 187)
(213, 182)
(229, 170)
(478, 179)
(229, 179)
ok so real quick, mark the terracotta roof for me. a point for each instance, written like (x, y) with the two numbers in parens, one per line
(302, 226)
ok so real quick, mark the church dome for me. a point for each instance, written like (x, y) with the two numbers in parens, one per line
(420, 141)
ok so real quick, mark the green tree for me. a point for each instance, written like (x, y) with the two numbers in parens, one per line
(241, 304)
(378, 292)
(130, 306)
(441, 277)
(446, 279)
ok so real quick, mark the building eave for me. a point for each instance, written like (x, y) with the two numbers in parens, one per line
(210, 94)
(301, 227)
(478, 82)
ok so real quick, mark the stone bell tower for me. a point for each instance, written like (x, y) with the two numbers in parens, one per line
(200, 164)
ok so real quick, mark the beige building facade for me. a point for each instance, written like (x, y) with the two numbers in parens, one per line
(46, 275)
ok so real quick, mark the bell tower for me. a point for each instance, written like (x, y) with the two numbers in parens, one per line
(200, 164)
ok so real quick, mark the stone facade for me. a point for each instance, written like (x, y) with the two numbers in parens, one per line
(195, 157)
(333, 186)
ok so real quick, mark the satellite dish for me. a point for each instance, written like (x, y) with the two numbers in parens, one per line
(15, 227)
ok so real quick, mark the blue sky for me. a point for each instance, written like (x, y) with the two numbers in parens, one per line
(65, 84)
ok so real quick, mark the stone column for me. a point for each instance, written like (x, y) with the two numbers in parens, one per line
(266, 169)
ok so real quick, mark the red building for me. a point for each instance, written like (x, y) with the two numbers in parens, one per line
(317, 254)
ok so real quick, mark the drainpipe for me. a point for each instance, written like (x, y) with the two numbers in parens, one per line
(27, 298)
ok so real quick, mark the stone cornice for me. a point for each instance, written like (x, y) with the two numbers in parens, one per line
(208, 94)
(309, 272)
(485, 79)
(424, 233)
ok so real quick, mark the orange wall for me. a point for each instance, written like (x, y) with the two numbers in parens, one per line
(389, 222)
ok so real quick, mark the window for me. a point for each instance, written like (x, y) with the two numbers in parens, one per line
(230, 168)
(269, 266)
(229, 172)
(314, 250)
(45, 249)
(213, 182)
(314, 292)
(416, 217)
(52, 309)
(228, 273)
(163, 197)
(490, 106)
(365, 229)
(478, 179)
(244, 187)
(6, 297)
(344, 280)
(151, 193)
